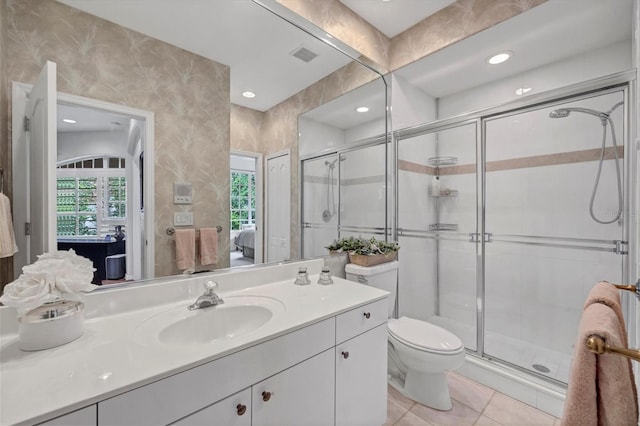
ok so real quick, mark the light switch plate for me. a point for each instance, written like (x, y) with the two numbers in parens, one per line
(183, 219)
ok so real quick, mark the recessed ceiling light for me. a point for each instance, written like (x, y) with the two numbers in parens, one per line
(523, 90)
(499, 58)
(248, 94)
(68, 120)
(362, 109)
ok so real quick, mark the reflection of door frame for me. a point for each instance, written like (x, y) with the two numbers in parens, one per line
(269, 201)
(259, 235)
(143, 268)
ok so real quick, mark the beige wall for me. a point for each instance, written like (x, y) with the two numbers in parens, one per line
(188, 94)
(246, 129)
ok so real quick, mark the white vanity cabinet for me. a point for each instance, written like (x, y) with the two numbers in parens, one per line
(81, 417)
(301, 395)
(329, 372)
(234, 410)
(361, 350)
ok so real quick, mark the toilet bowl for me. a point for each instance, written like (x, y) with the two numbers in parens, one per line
(423, 353)
(420, 353)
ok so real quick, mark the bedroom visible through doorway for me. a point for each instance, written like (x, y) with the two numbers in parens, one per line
(245, 187)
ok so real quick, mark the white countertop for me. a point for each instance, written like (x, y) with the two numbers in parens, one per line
(111, 358)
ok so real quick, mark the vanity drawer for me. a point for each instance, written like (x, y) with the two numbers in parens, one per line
(361, 319)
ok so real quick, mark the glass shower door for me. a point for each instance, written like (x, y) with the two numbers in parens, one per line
(363, 192)
(545, 250)
(437, 219)
(319, 204)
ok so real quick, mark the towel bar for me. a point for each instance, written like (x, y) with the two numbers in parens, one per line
(598, 345)
(171, 230)
(630, 287)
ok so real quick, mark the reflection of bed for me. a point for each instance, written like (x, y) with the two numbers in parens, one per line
(245, 241)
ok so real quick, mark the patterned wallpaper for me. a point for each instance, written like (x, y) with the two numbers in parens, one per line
(188, 94)
(451, 24)
(246, 129)
(344, 24)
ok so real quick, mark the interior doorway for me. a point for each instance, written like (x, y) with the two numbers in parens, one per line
(246, 195)
(98, 186)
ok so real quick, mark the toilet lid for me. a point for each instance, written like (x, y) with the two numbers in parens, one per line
(424, 336)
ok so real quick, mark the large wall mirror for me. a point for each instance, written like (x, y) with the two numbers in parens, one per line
(195, 83)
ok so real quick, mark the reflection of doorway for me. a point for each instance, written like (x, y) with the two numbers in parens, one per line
(85, 150)
(278, 209)
(245, 239)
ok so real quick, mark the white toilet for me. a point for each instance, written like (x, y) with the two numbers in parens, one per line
(419, 353)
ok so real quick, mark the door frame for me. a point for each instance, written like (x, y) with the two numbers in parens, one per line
(260, 212)
(19, 94)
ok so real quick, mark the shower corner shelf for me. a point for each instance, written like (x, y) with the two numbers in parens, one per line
(443, 227)
(442, 161)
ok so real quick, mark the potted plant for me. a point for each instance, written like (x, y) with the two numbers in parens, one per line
(366, 252)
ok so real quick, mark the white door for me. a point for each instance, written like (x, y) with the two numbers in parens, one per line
(42, 153)
(278, 218)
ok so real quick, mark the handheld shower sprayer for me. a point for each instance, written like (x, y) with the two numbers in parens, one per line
(330, 211)
(605, 120)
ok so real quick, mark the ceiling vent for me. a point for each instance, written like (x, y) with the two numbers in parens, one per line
(304, 54)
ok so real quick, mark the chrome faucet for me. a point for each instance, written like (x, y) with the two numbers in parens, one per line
(209, 298)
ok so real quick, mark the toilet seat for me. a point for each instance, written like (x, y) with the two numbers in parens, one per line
(425, 337)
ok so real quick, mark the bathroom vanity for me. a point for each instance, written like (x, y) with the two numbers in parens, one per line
(273, 354)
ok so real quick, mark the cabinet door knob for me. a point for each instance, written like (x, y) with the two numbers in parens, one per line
(241, 409)
(367, 315)
(266, 396)
(345, 354)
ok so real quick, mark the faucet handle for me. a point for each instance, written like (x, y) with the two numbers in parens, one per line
(210, 286)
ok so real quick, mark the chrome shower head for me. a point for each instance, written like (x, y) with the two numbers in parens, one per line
(559, 113)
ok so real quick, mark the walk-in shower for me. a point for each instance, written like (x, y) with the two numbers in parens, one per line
(605, 119)
(507, 250)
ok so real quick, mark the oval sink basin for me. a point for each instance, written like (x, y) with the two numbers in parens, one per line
(238, 315)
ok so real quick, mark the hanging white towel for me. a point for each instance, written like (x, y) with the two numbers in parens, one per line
(7, 238)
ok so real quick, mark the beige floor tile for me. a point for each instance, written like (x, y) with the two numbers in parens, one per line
(558, 422)
(459, 415)
(394, 412)
(470, 393)
(508, 411)
(411, 419)
(486, 421)
(399, 398)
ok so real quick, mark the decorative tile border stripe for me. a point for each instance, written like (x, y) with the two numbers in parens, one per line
(354, 181)
(516, 163)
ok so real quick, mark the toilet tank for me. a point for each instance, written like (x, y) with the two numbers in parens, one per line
(383, 276)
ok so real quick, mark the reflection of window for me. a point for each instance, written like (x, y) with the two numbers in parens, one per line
(91, 197)
(243, 198)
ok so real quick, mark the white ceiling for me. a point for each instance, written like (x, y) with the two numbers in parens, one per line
(555, 30)
(90, 120)
(395, 16)
(255, 43)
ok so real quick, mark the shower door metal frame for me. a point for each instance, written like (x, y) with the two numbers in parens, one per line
(622, 81)
(362, 144)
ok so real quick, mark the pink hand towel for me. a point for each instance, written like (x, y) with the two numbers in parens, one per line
(185, 248)
(608, 294)
(601, 388)
(208, 246)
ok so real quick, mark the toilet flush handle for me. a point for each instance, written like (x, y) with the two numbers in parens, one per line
(367, 315)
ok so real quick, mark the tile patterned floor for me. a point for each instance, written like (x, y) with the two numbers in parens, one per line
(473, 404)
